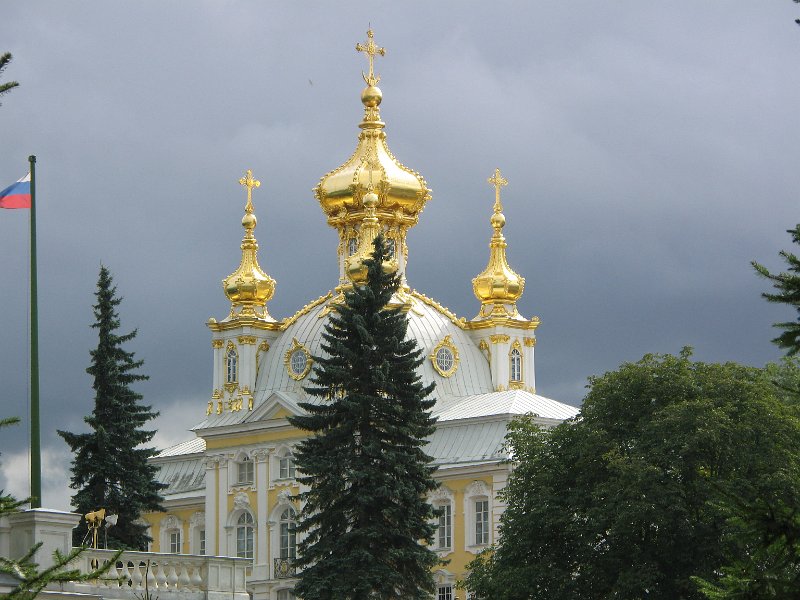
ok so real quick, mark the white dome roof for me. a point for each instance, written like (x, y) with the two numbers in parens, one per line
(427, 324)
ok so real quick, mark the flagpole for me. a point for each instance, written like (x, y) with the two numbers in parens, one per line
(36, 458)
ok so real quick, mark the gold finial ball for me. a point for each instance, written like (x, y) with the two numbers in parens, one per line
(370, 199)
(371, 96)
(498, 220)
(249, 221)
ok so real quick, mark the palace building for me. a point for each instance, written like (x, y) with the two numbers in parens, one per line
(230, 488)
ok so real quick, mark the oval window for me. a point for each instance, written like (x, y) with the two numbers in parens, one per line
(444, 359)
(297, 361)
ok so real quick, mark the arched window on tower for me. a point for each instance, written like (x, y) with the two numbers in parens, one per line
(231, 364)
(288, 541)
(516, 365)
(244, 535)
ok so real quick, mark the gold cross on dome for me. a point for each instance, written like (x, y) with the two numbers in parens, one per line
(370, 48)
(498, 181)
(249, 182)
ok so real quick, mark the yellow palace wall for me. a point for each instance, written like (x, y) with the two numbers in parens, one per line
(454, 480)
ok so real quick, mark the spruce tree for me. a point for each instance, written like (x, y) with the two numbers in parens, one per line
(787, 285)
(366, 518)
(110, 468)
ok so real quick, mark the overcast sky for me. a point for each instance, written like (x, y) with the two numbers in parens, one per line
(651, 150)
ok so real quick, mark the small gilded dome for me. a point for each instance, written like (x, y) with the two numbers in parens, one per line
(249, 288)
(498, 287)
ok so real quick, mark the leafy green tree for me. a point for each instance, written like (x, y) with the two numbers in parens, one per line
(5, 59)
(110, 469)
(366, 517)
(628, 501)
(30, 579)
(787, 285)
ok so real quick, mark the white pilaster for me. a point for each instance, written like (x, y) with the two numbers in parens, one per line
(222, 495)
(211, 506)
(262, 483)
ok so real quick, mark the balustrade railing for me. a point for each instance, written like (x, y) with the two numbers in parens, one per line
(184, 576)
(284, 568)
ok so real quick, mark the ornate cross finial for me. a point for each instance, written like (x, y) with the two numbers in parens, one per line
(370, 48)
(249, 182)
(498, 181)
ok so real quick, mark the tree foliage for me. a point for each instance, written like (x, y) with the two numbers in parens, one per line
(31, 580)
(366, 517)
(787, 285)
(635, 498)
(110, 469)
(5, 60)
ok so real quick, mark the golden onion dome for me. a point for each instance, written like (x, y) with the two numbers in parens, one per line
(402, 192)
(498, 287)
(248, 287)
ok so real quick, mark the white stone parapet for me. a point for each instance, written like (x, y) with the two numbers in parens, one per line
(166, 576)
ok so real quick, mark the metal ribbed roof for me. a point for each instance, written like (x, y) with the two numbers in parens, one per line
(182, 475)
(511, 402)
(188, 447)
(467, 442)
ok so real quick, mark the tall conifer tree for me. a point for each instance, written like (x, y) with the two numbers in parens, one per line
(366, 516)
(110, 468)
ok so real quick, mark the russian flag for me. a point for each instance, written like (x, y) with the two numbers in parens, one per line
(17, 195)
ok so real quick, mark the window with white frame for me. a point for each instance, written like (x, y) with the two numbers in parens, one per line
(231, 364)
(175, 541)
(444, 534)
(444, 592)
(288, 537)
(244, 535)
(244, 471)
(286, 468)
(478, 515)
(202, 536)
(481, 521)
(286, 595)
(516, 365)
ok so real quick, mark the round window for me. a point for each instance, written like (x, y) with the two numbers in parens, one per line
(297, 361)
(444, 359)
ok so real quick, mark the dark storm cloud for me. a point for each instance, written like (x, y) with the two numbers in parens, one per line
(651, 151)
